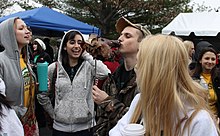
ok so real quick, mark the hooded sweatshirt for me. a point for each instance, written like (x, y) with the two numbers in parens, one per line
(10, 70)
(74, 105)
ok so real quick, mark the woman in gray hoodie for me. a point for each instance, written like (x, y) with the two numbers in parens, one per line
(16, 72)
(14, 35)
(9, 122)
(76, 69)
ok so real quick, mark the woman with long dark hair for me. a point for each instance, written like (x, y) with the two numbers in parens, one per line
(76, 70)
(208, 75)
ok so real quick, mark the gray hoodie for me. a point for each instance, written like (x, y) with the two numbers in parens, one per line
(10, 70)
(74, 105)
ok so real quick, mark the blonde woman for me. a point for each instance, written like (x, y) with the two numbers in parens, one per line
(190, 49)
(170, 103)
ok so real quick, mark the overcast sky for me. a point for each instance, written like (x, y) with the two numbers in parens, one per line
(212, 4)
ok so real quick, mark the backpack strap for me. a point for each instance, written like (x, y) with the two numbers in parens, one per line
(54, 75)
(54, 78)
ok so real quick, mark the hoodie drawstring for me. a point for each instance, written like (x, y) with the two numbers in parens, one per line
(85, 77)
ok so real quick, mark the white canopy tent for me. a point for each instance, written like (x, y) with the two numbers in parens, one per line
(201, 24)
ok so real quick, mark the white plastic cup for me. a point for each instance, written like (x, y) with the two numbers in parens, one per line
(133, 130)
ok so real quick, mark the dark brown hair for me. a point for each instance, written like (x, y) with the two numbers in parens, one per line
(68, 36)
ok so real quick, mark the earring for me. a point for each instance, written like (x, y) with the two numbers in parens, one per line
(64, 48)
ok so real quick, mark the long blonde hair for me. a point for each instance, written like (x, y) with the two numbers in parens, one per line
(188, 45)
(166, 86)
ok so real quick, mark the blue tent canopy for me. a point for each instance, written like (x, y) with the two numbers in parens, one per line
(47, 22)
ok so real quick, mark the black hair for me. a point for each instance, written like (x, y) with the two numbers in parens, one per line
(198, 68)
(39, 48)
(2, 48)
(68, 36)
(46, 41)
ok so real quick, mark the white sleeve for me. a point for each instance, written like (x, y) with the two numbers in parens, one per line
(116, 131)
(203, 125)
(11, 125)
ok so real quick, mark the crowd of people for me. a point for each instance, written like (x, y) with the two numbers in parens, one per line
(97, 86)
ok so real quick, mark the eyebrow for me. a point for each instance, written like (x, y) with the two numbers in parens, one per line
(21, 26)
(127, 33)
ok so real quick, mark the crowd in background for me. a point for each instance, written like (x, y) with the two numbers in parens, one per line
(96, 86)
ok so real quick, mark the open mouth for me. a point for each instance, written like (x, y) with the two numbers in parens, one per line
(76, 51)
(209, 66)
(26, 37)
